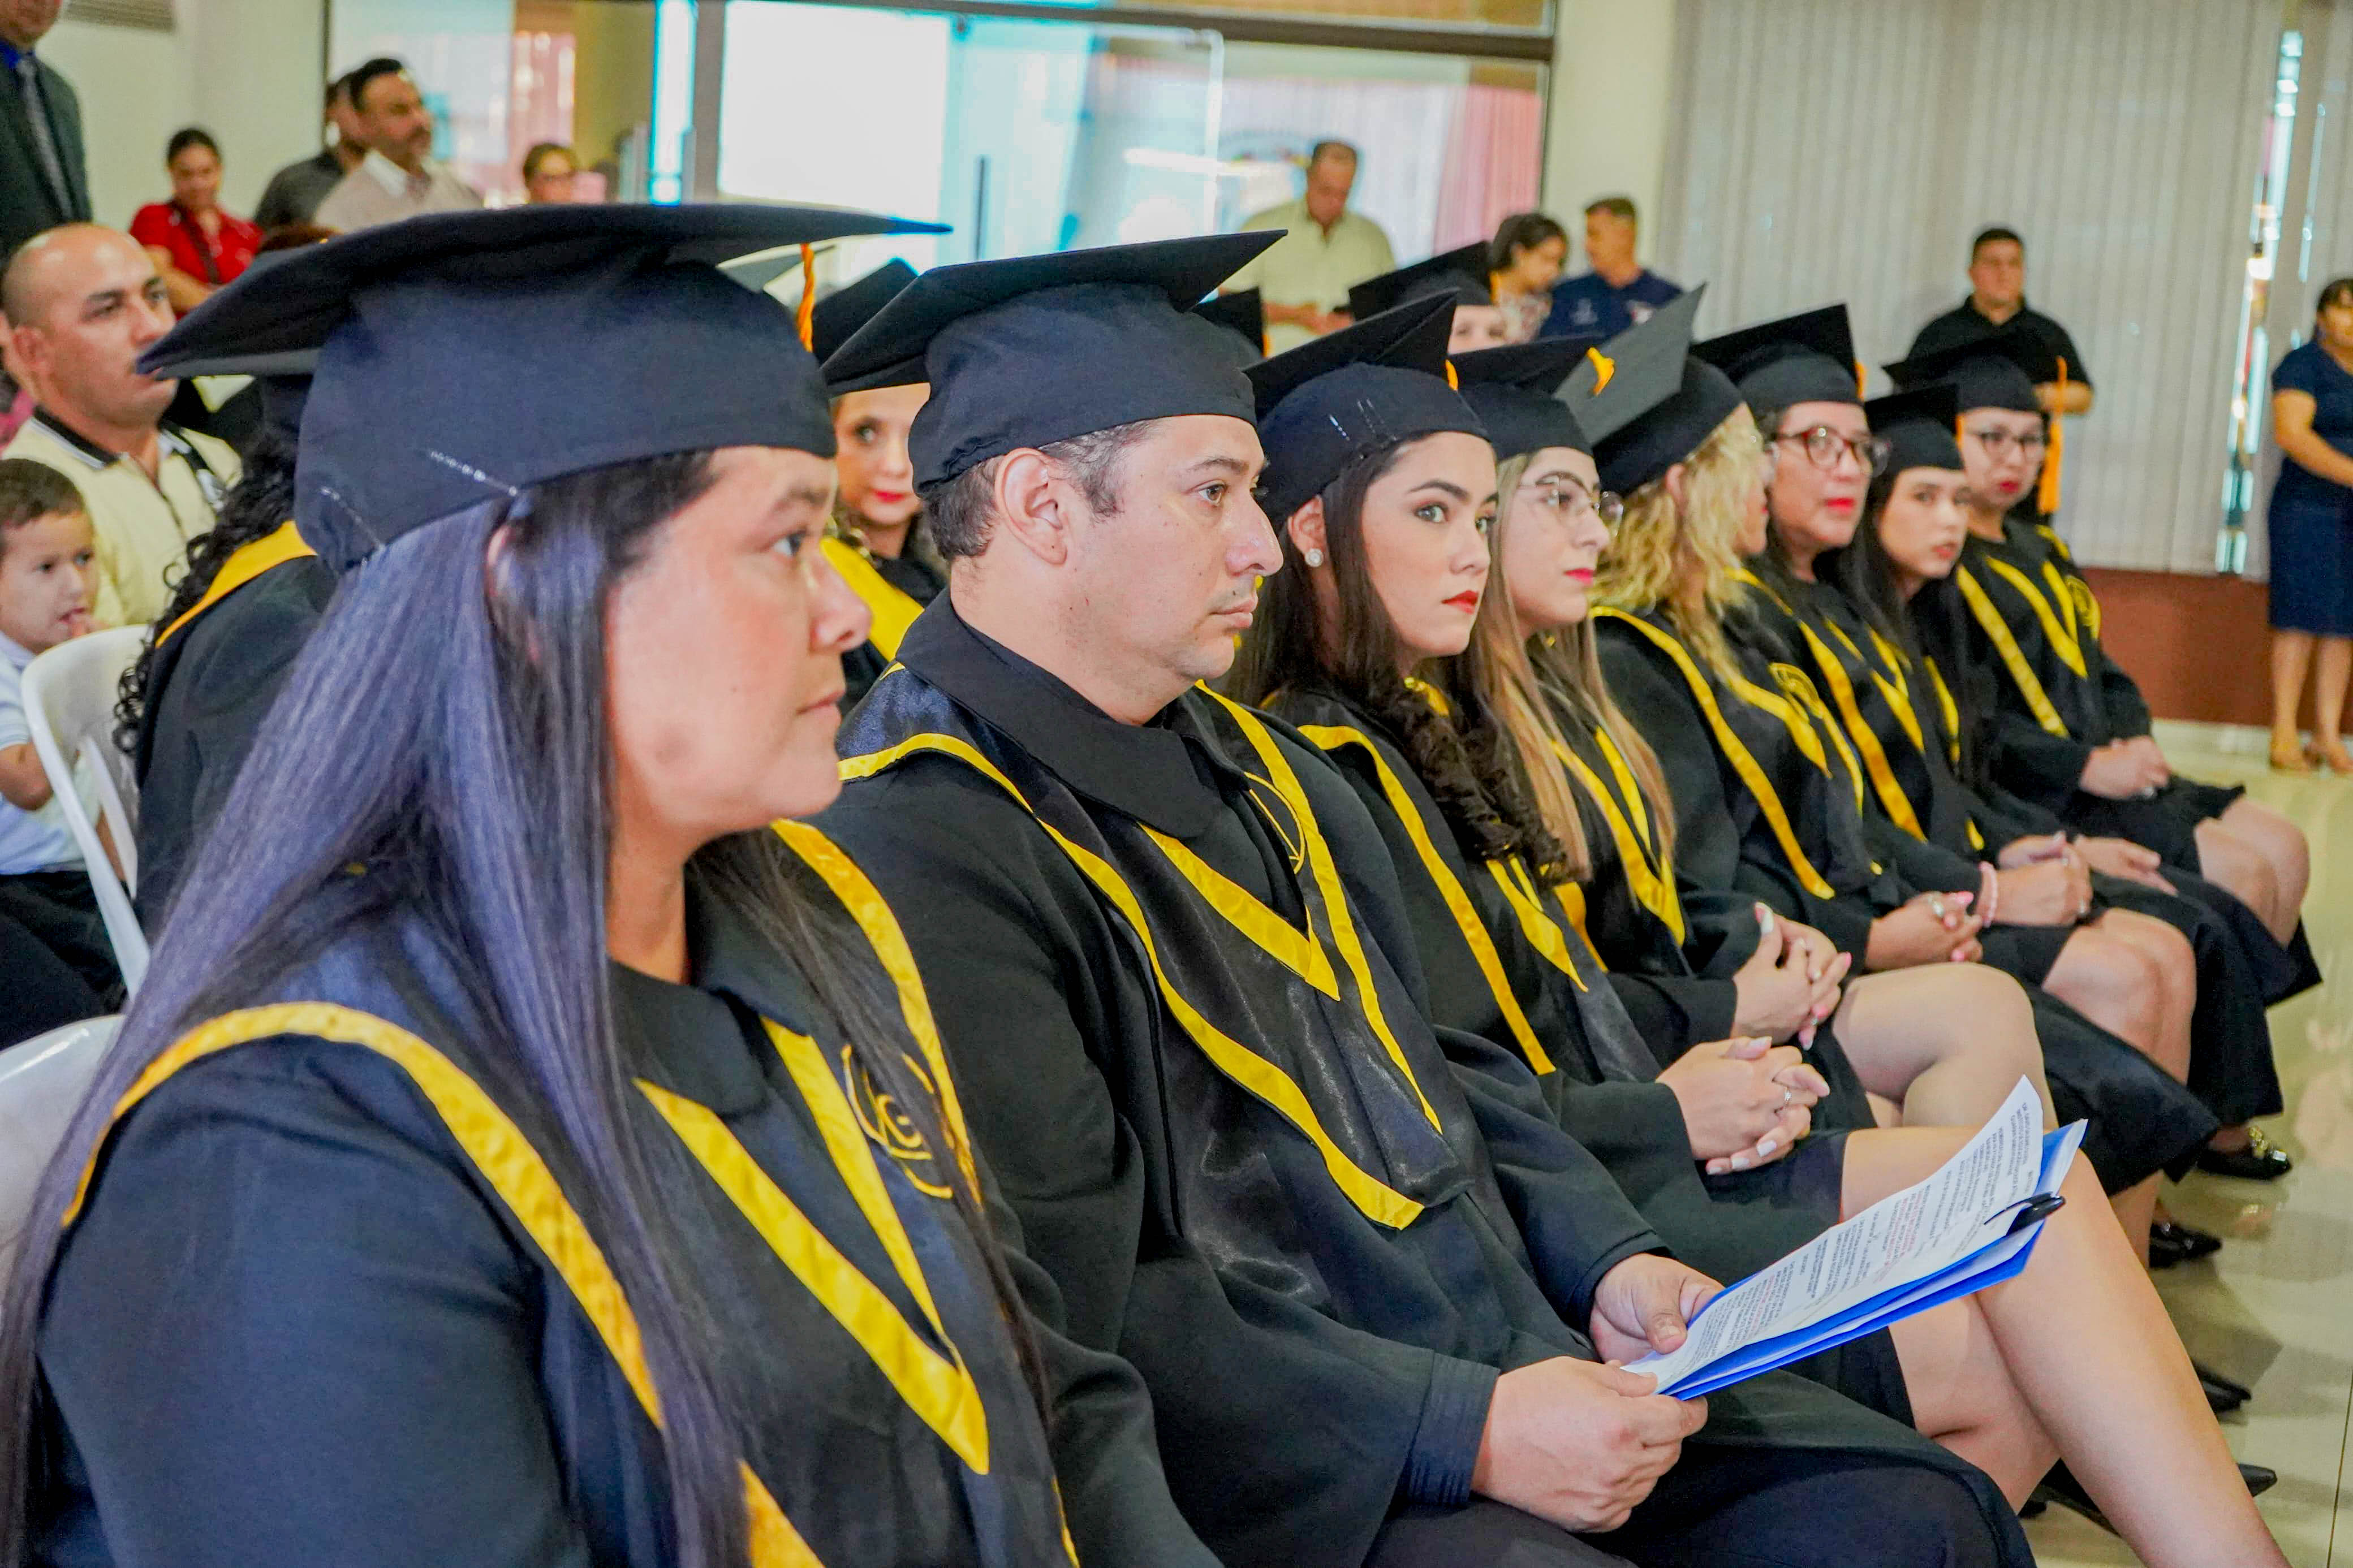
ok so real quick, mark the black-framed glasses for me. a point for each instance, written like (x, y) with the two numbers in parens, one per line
(1824, 444)
(1567, 499)
(1998, 442)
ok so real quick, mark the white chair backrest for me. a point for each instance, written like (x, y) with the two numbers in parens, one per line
(41, 1083)
(70, 707)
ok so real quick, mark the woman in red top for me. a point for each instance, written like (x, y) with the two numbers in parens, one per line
(197, 246)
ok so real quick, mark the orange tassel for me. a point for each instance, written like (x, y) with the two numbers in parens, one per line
(2046, 495)
(1453, 380)
(806, 319)
(1604, 367)
(1861, 380)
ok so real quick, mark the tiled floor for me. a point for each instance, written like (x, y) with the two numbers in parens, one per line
(2274, 1308)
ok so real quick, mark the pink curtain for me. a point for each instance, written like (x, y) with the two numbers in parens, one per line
(1492, 157)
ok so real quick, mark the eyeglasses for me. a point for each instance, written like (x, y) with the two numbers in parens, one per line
(1568, 499)
(1823, 446)
(1997, 442)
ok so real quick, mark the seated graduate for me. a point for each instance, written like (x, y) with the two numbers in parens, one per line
(2120, 953)
(2073, 731)
(1768, 800)
(196, 697)
(1460, 274)
(520, 1152)
(1370, 1291)
(1387, 562)
(877, 541)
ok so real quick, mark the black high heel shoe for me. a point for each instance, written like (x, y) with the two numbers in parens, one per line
(2261, 1160)
(2061, 1486)
(2172, 1242)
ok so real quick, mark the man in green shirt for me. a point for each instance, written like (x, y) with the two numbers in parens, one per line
(1326, 251)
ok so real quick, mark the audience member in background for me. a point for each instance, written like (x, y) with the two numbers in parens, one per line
(1326, 251)
(197, 246)
(398, 178)
(1998, 297)
(1619, 292)
(295, 192)
(44, 180)
(46, 566)
(83, 302)
(1523, 261)
(547, 173)
(2311, 523)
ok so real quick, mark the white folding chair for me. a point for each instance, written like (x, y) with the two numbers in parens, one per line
(70, 707)
(41, 1083)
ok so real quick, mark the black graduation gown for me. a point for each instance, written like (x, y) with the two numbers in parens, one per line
(2036, 623)
(210, 686)
(1894, 713)
(1196, 1051)
(1770, 799)
(328, 1304)
(1505, 961)
(895, 588)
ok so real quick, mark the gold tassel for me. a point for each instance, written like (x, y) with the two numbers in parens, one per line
(1604, 367)
(806, 319)
(2046, 496)
(1452, 379)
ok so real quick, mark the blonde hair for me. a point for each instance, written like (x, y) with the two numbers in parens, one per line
(1681, 558)
(1519, 679)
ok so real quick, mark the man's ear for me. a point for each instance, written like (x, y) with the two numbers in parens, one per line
(1305, 529)
(1033, 503)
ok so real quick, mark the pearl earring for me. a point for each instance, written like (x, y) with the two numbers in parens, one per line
(1315, 558)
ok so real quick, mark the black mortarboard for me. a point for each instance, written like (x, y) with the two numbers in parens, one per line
(1512, 391)
(1036, 349)
(1806, 358)
(1919, 426)
(1998, 370)
(839, 314)
(468, 355)
(1657, 403)
(1241, 313)
(1332, 402)
(1460, 275)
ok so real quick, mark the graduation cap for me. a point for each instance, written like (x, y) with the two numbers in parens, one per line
(839, 314)
(1243, 314)
(1332, 402)
(283, 379)
(1460, 276)
(1511, 390)
(463, 356)
(1998, 370)
(1918, 426)
(1655, 404)
(1036, 349)
(1805, 358)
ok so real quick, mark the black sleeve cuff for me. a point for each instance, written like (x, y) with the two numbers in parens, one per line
(1453, 1422)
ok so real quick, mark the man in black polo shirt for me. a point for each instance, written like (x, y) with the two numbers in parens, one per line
(1998, 297)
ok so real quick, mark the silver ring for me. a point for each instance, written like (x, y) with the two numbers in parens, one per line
(1937, 907)
(1787, 1099)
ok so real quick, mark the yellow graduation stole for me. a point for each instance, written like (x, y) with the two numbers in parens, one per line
(894, 609)
(275, 548)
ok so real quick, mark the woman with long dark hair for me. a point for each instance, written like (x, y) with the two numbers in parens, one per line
(1381, 556)
(520, 1150)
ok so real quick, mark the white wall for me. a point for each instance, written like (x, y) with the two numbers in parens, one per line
(246, 70)
(1612, 91)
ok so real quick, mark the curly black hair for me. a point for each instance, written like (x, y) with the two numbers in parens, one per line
(256, 506)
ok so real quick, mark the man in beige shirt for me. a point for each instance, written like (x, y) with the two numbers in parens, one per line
(1305, 277)
(82, 303)
(396, 179)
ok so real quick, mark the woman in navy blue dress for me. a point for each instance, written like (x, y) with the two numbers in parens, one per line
(2312, 535)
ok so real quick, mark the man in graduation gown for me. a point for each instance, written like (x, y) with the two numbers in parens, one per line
(1176, 981)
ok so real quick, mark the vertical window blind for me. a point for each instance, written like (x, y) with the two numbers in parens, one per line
(1831, 149)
